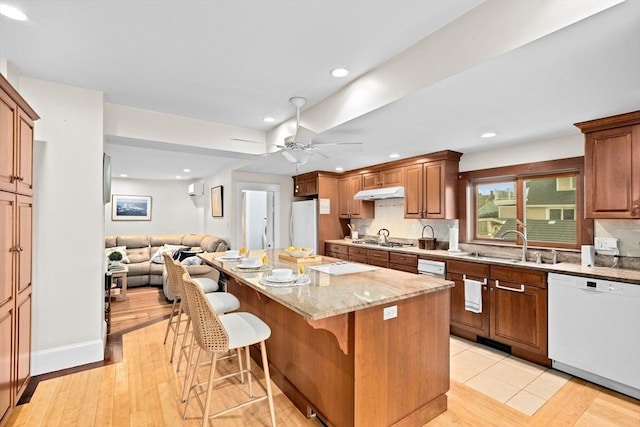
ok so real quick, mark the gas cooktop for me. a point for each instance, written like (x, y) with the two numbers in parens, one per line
(388, 244)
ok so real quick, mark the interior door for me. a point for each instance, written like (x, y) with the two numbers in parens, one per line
(257, 219)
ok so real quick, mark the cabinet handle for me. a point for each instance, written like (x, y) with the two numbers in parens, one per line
(20, 178)
(635, 208)
(484, 279)
(506, 288)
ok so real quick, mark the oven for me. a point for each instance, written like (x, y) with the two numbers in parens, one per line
(431, 268)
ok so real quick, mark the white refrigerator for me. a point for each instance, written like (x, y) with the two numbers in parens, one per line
(304, 224)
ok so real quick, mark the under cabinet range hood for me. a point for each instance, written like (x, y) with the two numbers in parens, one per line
(380, 193)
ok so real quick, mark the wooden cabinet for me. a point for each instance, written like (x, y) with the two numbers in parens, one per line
(404, 262)
(378, 257)
(514, 307)
(612, 166)
(519, 308)
(16, 207)
(477, 323)
(358, 254)
(16, 147)
(336, 250)
(393, 177)
(348, 208)
(431, 188)
(305, 185)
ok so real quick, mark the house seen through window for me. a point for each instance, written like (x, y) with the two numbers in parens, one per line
(545, 207)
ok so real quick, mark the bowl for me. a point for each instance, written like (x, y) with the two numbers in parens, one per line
(281, 273)
(231, 254)
(300, 253)
(250, 262)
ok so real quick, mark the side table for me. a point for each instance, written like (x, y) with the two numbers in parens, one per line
(119, 280)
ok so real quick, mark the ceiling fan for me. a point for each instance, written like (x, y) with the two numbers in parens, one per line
(300, 147)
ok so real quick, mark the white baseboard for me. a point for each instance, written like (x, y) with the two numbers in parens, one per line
(68, 356)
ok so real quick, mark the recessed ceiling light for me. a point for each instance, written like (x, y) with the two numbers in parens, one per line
(123, 175)
(269, 119)
(12, 12)
(339, 72)
(394, 155)
(186, 170)
(488, 135)
(178, 177)
(339, 169)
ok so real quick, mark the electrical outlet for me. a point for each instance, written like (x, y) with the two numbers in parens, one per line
(390, 312)
(606, 243)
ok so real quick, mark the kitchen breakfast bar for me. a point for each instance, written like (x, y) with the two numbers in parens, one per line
(353, 344)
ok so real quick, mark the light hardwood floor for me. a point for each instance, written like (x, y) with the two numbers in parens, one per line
(143, 390)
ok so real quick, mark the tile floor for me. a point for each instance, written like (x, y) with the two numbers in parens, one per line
(517, 383)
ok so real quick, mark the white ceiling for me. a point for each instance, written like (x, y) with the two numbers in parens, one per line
(235, 62)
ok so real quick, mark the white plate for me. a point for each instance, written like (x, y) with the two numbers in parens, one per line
(224, 258)
(298, 281)
(249, 267)
(272, 279)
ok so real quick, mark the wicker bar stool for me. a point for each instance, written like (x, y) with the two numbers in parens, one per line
(217, 335)
(223, 302)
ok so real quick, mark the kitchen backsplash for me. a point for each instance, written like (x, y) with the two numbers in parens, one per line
(627, 231)
(390, 215)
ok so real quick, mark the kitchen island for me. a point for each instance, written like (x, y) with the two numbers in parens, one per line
(356, 346)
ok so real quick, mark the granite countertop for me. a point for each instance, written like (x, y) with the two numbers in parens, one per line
(607, 273)
(332, 294)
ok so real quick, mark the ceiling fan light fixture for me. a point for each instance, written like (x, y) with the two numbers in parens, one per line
(299, 157)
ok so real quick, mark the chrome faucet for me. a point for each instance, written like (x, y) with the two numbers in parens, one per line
(524, 242)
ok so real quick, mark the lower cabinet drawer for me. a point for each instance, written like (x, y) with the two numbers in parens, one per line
(406, 259)
(403, 267)
(377, 255)
(358, 258)
(378, 262)
(336, 249)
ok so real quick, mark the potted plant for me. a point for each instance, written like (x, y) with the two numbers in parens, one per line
(114, 259)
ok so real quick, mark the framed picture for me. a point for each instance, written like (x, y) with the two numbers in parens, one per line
(130, 208)
(216, 201)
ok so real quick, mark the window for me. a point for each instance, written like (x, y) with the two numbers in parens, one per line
(540, 202)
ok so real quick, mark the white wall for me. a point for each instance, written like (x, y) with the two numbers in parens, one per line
(173, 211)
(68, 319)
(225, 227)
(537, 151)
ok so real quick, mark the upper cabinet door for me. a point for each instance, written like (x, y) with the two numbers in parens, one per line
(8, 112)
(434, 190)
(612, 173)
(24, 161)
(413, 191)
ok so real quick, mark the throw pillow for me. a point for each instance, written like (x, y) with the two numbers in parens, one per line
(170, 249)
(121, 249)
(192, 260)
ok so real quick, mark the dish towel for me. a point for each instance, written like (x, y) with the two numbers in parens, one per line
(473, 296)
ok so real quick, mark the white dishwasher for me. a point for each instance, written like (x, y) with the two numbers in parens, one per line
(594, 330)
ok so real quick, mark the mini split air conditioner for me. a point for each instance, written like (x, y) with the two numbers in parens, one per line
(196, 189)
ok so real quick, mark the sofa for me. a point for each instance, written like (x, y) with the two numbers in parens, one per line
(145, 271)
